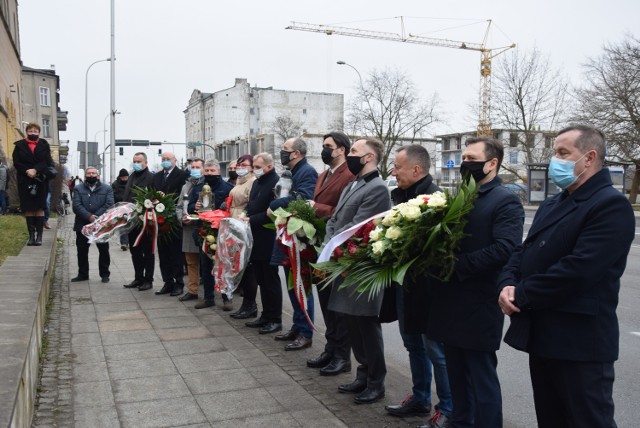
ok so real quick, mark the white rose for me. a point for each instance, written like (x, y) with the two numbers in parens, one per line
(374, 235)
(378, 247)
(411, 212)
(390, 218)
(437, 200)
(160, 207)
(148, 203)
(393, 233)
(280, 221)
(416, 202)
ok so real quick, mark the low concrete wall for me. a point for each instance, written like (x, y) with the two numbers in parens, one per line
(24, 285)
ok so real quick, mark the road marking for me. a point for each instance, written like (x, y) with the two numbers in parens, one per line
(636, 333)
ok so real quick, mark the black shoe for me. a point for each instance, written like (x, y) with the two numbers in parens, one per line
(32, 240)
(38, 240)
(166, 289)
(287, 337)
(256, 323)
(369, 395)
(270, 327)
(145, 286)
(245, 313)
(204, 304)
(409, 407)
(80, 278)
(105, 279)
(133, 284)
(317, 363)
(176, 292)
(301, 342)
(188, 296)
(335, 367)
(355, 387)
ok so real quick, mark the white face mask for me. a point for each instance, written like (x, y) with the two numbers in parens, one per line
(258, 172)
(242, 171)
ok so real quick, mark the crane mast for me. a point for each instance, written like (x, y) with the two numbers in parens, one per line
(486, 55)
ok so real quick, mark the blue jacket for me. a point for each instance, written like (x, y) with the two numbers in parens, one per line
(464, 312)
(87, 202)
(567, 274)
(220, 193)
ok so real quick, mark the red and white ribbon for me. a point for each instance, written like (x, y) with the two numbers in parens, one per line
(149, 225)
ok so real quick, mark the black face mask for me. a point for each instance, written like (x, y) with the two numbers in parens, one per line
(354, 164)
(211, 180)
(326, 155)
(285, 157)
(233, 175)
(31, 137)
(91, 180)
(474, 169)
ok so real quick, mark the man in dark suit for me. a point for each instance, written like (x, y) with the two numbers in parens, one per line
(336, 357)
(293, 156)
(409, 302)
(365, 197)
(170, 181)
(561, 286)
(464, 313)
(141, 256)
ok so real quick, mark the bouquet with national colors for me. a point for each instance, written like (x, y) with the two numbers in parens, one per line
(157, 213)
(207, 232)
(419, 237)
(120, 218)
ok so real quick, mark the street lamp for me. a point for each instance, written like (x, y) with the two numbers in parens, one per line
(86, 111)
(104, 142)
(192, 144)
(364, 94)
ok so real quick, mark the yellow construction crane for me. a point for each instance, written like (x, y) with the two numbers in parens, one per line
(486, 55)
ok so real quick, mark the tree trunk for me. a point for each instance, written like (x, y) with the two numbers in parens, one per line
(635, 183)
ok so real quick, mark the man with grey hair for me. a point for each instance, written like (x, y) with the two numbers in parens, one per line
(141, 256)
(560, 287)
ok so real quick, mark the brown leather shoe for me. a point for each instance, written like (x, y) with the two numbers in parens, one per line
(301, 342)
(286, 337)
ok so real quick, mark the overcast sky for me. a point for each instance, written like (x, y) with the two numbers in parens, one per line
(166, 49)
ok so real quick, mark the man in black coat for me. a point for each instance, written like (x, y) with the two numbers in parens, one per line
(464, 312)
(118, 187)
(411, 169)
(561, 286)
(141, 256)
(90, 200)
(260, 271)
(170, 181)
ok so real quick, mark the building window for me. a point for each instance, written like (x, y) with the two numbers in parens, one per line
(251, 111)
(445, 176)
(513, 139)
(446, 145)
(46, 127)
(513, 157)
(304, 111)
(44, 97)
(458, 144)
(458, 158)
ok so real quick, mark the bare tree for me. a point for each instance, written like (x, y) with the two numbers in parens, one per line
(610, 100)
(286, 127)
(388, 107)
(528, 95)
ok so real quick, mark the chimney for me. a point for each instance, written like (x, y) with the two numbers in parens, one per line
(240, 81)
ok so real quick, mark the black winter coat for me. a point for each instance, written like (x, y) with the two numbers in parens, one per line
(118, 190)
(40, 160)
(142, 179)
(87, 202)
(259, 199)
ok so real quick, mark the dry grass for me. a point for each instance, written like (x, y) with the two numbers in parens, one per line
(13, 235)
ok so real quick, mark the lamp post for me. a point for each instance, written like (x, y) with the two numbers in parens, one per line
(366, 97)
(193, 144)
(104, 142)
(86, 111)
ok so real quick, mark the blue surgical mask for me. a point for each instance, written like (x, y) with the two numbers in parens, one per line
(258, 172)
(166, 164)
(562, 171)
(242, 172)
(137, 167)
(196, 173)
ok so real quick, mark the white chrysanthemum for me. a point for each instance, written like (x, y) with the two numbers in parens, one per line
(160, 207)
(280, 221)
(375, 234)
(437, 200)
(148, 203)
(378, 247)
(393, 233)
(411, 212)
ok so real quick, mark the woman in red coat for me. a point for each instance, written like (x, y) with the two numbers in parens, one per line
(32, 158)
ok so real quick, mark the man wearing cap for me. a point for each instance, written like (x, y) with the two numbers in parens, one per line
(118, 187)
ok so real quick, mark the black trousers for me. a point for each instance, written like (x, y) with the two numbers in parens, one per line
(268, 279)
(475, 388)
(249, 285)
(104, 260)
(337, 333)
(143, 260)
(365, 334)
(171, 261)
(572, 394)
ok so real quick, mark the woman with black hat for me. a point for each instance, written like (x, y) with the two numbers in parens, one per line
(34, 166)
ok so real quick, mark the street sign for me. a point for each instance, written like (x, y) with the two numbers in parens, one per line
(450, 164)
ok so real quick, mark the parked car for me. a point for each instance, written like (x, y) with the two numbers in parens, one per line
(520, 190)
(391, 183)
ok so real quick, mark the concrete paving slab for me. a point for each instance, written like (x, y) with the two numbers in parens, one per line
(90, 372)
(186, 321)
(96, 416)
(205, 362)
(129, 369)
(88, 354)
(116, 307)
(86, 339)
(193, 346)
(123, 337)
(135, 314)
(275, 420)
(318, 418)
(150, 388)
(92, 393)
(161, 413)
(270, 374)
(84, 327)
(177, 311)
(182, 333)
(124, 325)
(135, 351)
(294, 397)
(221, 406)
(220, 381)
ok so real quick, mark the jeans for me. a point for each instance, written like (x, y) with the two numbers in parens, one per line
(423, 353)
(300, 323)
(47, 208)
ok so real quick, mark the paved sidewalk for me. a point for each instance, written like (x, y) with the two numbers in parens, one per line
(118, 357)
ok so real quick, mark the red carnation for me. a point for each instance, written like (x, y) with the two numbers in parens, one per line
(337, 253)
(352, 248)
